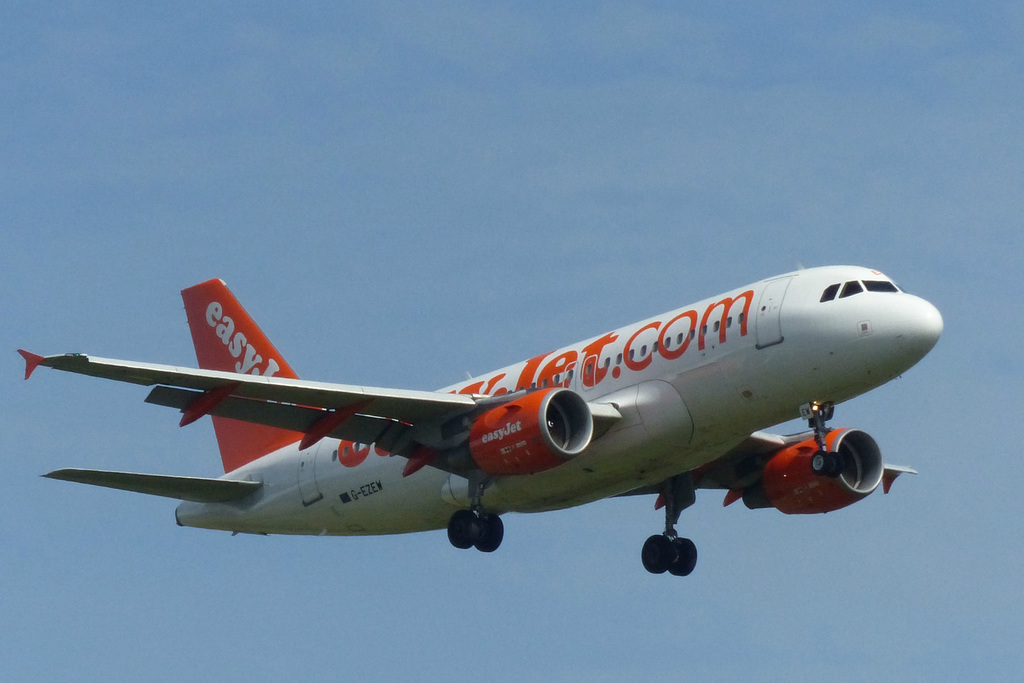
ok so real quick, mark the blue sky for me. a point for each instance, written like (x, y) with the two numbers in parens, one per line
(493, 181)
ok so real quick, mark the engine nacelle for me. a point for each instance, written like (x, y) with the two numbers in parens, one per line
(790, 485)
(531, 434)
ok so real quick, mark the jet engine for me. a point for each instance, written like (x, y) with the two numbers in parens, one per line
(531, 434)
(790, 485)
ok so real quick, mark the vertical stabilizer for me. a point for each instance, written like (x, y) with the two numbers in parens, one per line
(227, 339)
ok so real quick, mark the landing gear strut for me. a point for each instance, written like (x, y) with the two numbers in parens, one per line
(667, 551)
(823, 463)
(474, 527)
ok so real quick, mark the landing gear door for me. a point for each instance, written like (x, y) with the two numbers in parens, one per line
(769, 309)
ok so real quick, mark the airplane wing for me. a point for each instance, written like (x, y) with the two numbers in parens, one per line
(317, 409)
(739, 466)
(399, 404)
(743, 464)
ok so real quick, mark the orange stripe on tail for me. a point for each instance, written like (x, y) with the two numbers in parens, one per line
(227, 339)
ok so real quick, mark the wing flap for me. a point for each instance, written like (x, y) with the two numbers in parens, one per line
(195, 489)
(359, 428)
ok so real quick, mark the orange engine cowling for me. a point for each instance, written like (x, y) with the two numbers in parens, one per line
(790, 485)
(531, 434)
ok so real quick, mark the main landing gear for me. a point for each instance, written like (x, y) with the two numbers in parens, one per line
(823, 463)
(469, 528)
(667, 551)
(474, 527)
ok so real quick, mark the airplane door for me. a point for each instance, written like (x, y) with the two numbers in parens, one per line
(308, 488)
(588, 376)
(769, 308)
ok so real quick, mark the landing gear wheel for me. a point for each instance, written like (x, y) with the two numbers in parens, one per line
(826, 464)
(658, 554)
(493, 532)
(686, 557)
(464, 529)
(468, 528)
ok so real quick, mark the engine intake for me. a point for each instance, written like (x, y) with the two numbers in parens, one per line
(790, 485)
(531, 434)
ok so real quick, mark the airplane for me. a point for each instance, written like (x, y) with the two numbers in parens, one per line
(663, 407)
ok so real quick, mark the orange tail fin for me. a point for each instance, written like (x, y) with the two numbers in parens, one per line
(227, 339)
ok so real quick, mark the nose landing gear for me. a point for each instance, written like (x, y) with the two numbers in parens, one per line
(823, 463)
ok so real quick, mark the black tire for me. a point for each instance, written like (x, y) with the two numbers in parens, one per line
(658, 554)
(827, 464)
(463, 529)
(493, 531)
(838, 465)
(686, 557)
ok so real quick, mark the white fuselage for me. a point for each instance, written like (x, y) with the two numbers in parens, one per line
(690, 384)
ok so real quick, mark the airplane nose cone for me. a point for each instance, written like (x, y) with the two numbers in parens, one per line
(921, 327)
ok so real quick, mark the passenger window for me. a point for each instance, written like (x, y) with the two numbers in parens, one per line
(851, 288)
(718, 325)
(829, 293)
(618, 359)
(880, 286)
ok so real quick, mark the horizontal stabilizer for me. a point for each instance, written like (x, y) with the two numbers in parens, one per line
(32, 361)
(195, 489)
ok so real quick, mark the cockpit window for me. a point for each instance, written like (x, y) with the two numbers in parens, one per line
(880, 286)
(830, 293)
(850, 288)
